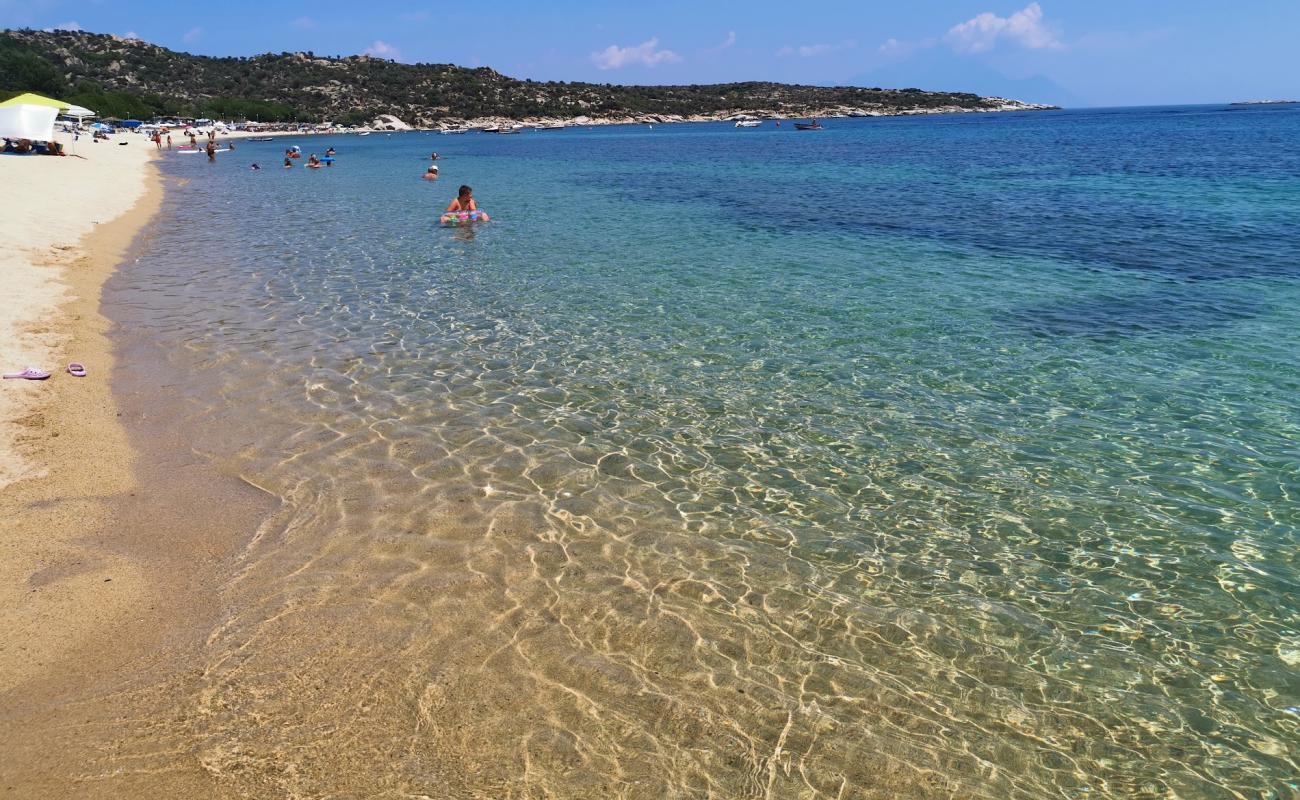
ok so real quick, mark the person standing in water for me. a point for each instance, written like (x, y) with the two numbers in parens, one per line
(212, 150)
(465, 202)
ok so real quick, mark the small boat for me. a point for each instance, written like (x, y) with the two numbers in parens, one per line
(365, 133)
(261, 138)
(748, 123)
(492, 129)
(557, 127)
(809, 126)
(452, 131)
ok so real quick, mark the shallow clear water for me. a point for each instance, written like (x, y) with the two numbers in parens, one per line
(949, 456)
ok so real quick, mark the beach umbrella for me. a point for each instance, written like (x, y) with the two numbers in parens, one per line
(35, 122)
(78, 112)
(30, 99)
(65, 108)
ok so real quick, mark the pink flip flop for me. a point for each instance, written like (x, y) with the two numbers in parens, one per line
(29, 374)
(77, 370)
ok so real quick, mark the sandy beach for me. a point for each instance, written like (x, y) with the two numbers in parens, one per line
(107, 578)
(62, 447)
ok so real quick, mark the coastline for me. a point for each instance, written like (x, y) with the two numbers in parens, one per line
(113, 559)
(63, 450)
(71, 595)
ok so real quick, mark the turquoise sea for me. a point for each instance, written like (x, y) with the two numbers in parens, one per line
(951, 456)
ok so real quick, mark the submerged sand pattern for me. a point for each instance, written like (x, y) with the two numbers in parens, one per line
(557, 525)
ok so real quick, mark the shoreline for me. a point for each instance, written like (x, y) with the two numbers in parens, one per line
(479, 124)
(110, 573)
(64, 450)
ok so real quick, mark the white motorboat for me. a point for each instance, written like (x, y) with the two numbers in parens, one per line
(748, 123)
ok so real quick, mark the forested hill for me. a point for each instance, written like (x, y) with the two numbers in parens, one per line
(130, 78)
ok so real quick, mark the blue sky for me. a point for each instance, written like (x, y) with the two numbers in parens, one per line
(1074, 52)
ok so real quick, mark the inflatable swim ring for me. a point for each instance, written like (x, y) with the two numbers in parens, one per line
(454, 218)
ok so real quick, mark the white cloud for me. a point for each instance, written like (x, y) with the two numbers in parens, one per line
(131, 35)
(896, 48)
(304, 23)
(812, 50)
(645, 54)
(382, 49)
(192, 35)
(731, 40)
(982, 33)
(63, 26)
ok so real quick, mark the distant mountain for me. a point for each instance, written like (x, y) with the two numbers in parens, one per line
(130, 78)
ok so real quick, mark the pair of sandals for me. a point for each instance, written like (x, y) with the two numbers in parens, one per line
(33, 374)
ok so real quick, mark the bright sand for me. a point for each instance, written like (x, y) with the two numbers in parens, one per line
(105, 587)
(62, 448)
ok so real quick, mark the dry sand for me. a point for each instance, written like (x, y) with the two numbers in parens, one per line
(53, 203)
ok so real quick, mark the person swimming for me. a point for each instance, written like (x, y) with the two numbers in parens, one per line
(288, 163)
(431, 174)
(313, 162)
(254, 167)
(329, 151)
(465, 202)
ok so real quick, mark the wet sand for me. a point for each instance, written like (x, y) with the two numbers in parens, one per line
(111, 550)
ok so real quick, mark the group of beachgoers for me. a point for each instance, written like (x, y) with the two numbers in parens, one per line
(463, 208)
(163, 135)
(313, 161)
(28, 146)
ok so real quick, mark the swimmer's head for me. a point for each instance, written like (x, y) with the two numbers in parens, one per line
(465, 191)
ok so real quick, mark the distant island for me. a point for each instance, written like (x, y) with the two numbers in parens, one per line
(132, 79)
(1264, 103)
